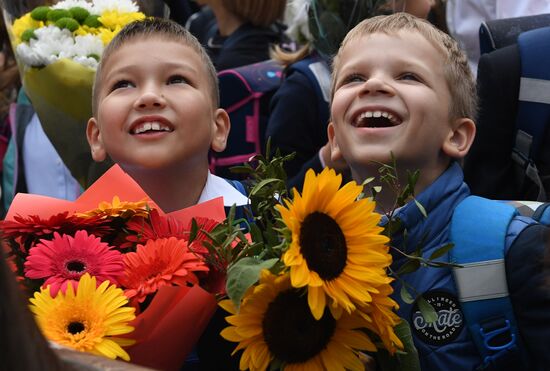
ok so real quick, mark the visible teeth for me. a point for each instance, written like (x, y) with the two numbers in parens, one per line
(155, 126)
(377, 114)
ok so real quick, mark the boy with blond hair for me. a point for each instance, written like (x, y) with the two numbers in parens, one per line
(402, 88)
(156, 114)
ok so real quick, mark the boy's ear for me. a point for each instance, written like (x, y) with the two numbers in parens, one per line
(335, 153)
(94, 140)
(460, 138)
(222, 124)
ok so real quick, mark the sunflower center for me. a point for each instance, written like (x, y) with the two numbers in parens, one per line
(76, 266)
(323, 245)
(75, 327)
(291, 332)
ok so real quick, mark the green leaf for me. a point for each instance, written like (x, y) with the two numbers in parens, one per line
(194, 230)
(442, 250)
(427, 310)
(243, 274)
(421, 208)
(262, 184)
(409, 267)
(404, 360)
(377, 189)
(406, 296)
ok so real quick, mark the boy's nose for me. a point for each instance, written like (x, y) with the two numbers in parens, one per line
(376, 85)
(150, 99)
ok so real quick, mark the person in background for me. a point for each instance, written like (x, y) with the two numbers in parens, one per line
(464, 17)
(238, 32)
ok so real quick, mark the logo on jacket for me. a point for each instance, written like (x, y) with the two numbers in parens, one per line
(449, 321)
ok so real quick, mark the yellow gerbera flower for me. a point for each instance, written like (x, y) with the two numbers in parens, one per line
(124, 209)
(336, 249)
(87, 321)
(274, 322)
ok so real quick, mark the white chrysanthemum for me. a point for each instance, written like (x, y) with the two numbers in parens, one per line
(86, 61)
(122, 6)
(297, 19)
(29, 56)
(87, 45)
(68, 4)
(52, 41)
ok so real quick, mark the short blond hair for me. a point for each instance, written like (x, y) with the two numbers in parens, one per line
(258, 12)
(458, 76)
(166, 30)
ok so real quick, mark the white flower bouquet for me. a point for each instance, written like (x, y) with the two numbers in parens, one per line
(58, 48)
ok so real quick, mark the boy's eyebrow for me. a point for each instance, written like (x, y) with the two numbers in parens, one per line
(168, 65)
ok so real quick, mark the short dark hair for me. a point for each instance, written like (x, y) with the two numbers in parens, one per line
(155, 27)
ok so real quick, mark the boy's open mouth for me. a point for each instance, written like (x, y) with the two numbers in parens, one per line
(150, 125)
(376, 119)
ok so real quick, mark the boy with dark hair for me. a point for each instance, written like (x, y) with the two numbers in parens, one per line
(156, 114)
(402, 87)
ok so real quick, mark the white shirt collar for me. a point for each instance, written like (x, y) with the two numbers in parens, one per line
(219, 187)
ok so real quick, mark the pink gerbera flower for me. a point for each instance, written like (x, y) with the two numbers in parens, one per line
(158, 263)
(65, 259)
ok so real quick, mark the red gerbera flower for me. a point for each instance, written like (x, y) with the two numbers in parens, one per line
(65, 259)
(155, 227)
(26, 230)
(159, 263)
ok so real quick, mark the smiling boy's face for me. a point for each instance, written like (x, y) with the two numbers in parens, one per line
(391, 96)
(155, 108)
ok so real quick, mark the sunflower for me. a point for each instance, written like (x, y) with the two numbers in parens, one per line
(117, 208)
(88, 320)
(336, 248)
(274, 322)
(65, 259)
(162, 262)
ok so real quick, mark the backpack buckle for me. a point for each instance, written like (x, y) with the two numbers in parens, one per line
(497, 335)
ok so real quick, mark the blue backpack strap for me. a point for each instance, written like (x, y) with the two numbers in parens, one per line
(478, 231)
(318, 73)
(534, 103)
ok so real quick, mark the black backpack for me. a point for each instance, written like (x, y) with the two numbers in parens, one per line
(510, 157)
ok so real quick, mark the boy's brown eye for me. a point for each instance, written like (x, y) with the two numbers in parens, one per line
(177, 79)
(121, 85)
(409, 76)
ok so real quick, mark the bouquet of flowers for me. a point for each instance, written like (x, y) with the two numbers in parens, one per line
(57, 49)
(108, 275)
(312, 290)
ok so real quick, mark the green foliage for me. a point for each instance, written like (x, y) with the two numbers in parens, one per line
(68, 23)
(243, 274)
(79, 13)
(55, 14)
(92, 21)
(405, 360)
(40, 13)
(28, 34)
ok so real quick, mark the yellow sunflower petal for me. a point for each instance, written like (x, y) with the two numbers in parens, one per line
(316, 301)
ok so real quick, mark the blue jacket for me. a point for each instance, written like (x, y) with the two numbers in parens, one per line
(447, 345)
